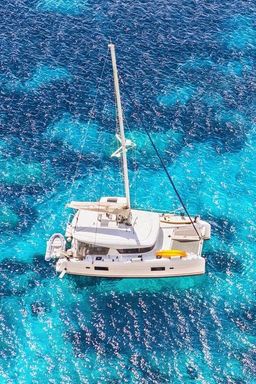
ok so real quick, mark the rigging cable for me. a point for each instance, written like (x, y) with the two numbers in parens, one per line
(171, 181)
(167, 173)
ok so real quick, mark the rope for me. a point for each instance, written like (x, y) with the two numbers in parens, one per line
(92, 116)
(171, 181)
(168, 175)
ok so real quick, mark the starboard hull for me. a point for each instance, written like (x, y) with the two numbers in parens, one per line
(138, 269)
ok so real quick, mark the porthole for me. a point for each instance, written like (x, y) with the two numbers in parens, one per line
(157, 269)
(101, 268)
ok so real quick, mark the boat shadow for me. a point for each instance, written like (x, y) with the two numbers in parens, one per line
(132, 285)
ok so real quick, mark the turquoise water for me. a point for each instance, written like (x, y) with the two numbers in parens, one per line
(188, 74)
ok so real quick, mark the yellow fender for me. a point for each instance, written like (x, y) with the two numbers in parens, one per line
(168, 253)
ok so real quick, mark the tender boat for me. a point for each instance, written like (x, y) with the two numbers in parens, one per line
(56, 246)
(109, 238)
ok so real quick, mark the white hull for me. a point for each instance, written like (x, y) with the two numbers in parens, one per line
(134, 269)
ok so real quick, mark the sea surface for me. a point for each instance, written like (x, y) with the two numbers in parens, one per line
(187, 71)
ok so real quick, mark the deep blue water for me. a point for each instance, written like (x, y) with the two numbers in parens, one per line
(188, 74)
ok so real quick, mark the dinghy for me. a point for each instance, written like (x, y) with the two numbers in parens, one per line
(56, 247)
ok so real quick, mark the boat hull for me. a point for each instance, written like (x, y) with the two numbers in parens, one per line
(134, 269)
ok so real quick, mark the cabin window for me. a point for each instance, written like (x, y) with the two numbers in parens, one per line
(157, 269)
(135, 250)
(112, 200)
(101, 268)
(89, 249)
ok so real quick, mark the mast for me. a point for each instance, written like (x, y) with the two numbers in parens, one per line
(121, 124)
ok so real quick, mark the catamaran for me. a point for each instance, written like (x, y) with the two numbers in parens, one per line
(109, 238)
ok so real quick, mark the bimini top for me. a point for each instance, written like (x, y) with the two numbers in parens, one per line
(103, 230)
